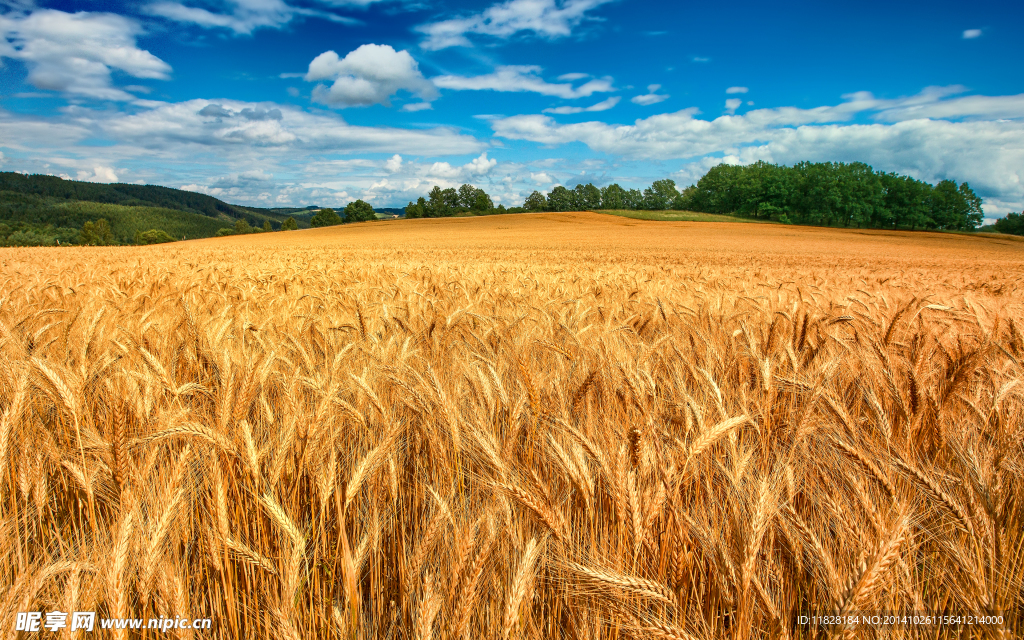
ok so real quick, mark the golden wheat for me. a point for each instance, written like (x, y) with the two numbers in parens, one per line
(577, 427)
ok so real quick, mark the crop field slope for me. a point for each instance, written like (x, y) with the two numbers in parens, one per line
(536, 426)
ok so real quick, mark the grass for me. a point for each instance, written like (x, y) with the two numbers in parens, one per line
(534, 426)
(679, 216)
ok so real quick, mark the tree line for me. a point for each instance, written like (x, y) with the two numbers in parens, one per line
(1013, 223)
(356, 211)
(442, 203)
(822, 193)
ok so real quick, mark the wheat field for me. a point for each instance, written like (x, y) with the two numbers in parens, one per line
(540, 426)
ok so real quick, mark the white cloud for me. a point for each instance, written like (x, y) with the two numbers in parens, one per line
(243, 16)
(368, 75)
(393, 164)
(732, 104)
(184, 134)
(737, 90)
(544, 18)
(417, 106)
(987, 153)
(480, 166)
(97, 174)
(444, 170)
(523, 78)
(651, 97)
(246, 179)
(542, 178)
(971, 33)
(76, 52)
(604, 105)
(700, 59)
(964, 107)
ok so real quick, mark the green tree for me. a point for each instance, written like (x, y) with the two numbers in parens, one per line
(633, 200)
(451, 200)
(153, 236)
(949, 210)
(325, 217)
(560, 199)
(417, 210)
(1013, 224)
(267, 226)
(289, 225)
(587, 197)
(242, 226)
(467, 196)
(907, 201)
(975, 214)
(437, 208)
(660, 195)
(535, 202)
(684, 201)
(482, 202)
(97, 233)
(359, 211)
(613, 197)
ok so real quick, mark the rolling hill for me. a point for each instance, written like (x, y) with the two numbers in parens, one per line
(47, 210)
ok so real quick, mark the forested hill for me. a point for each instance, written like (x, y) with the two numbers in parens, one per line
(47, 210)
(132, 195)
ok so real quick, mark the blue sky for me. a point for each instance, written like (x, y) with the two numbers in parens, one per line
(297, 102)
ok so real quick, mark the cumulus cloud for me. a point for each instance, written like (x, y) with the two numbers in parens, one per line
(604, 105)
(417, 106)
(543, 18)
(98, 174)
(393, 164)
(732, 104)
(368, 75)
(737, 90)
(523, 78)
(481, 166)
(651, 97)
(987, 153)
(970, 34)
(476, 167)
(75, 53)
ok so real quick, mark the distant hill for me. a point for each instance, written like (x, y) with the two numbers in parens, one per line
(391, 211)
(47, 210)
